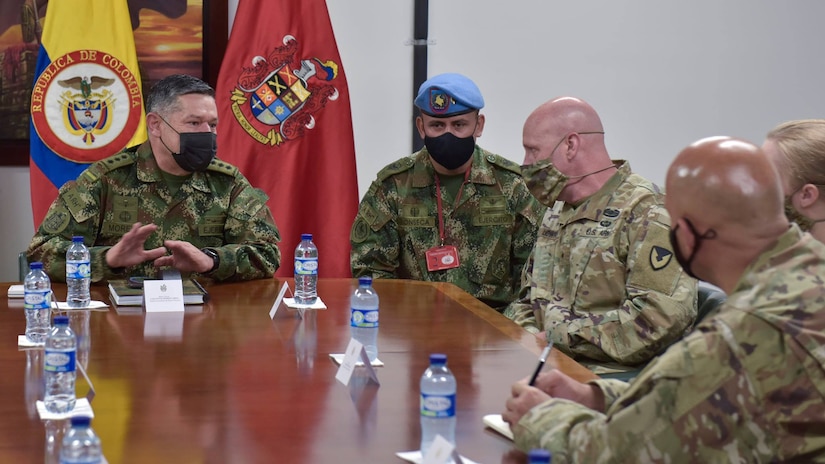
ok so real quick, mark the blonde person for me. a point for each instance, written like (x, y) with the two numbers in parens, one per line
(797, 151)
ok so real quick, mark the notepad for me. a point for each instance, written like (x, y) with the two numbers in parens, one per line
(16, 291)
(496, 422)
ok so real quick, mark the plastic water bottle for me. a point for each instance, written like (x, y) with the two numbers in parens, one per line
(539, 456)
(81, 444)
(60, 367)
(438, 388)
(306, 271)
(364, 316)
(78, 274)
(37, 303)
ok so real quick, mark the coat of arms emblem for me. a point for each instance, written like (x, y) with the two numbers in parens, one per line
(276, 96)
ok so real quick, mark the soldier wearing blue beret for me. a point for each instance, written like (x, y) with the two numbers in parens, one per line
(451, 212)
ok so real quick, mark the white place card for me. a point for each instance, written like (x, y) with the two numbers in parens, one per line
(163, 296)
(440, 452)
(82, 407)
(355, 351)
(277, 303)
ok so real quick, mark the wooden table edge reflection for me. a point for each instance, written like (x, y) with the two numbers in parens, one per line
(225, 383)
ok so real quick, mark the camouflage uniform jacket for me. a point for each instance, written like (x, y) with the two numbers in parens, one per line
(217, 209)
(748, 385)
(602, 280)
(493, 226)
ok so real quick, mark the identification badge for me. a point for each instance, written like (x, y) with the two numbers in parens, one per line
(442, 257)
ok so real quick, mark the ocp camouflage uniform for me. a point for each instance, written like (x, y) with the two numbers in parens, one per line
(602, 281)
(748, 385)
(217, 209)
(493, 226)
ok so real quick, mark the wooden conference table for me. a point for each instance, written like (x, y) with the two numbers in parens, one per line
(224, 383)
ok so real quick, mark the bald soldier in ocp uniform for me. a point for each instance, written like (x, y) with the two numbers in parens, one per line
(748, 384)
(601, 282)
(452, 212)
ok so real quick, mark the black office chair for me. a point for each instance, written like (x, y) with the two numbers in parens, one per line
(22, 265)
(710, 299)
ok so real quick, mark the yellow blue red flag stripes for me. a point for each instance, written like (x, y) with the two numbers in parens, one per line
(86, 100)
(285, 122)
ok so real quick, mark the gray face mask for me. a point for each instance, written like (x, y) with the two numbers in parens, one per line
(197, 149)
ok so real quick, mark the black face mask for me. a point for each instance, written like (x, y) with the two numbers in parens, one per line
(197, 149)
(683, 261)
(450, 151)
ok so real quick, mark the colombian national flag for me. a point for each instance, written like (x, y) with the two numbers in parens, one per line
(86, 100)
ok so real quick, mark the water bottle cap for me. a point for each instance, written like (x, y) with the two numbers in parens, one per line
(438, 358)
(539, 455)
(366, 280)
(77, 239)
(61, 320)
(306, 236)
(82, 421)
(36, 265)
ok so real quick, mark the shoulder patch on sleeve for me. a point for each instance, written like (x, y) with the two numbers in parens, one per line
(656, 268)
(395, 168)
(221, 166)
(503, 162)
(56, 221)
(360, 230)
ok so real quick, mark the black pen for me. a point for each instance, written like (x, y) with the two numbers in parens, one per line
(203, 290)
(542, 360)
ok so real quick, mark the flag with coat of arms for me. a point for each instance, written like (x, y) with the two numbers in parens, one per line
(285, 122)
(86, 101)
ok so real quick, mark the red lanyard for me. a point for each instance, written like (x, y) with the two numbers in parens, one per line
(455, 204)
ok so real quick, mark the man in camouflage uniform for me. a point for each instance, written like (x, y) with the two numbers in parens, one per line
(166, 203)
(600, 281)
(748, 384)
(451, 212)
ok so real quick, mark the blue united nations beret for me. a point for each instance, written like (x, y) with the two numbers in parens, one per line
(448, 94)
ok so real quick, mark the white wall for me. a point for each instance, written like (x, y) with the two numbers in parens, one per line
(661, 73)
(16, 221)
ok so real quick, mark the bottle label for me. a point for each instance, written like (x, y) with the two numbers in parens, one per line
(80, 461)
(363, 318)
(438, 405)
(306, 266)
(78, 270)
(37, 299)
(60, 361)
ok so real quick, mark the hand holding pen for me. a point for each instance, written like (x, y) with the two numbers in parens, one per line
(542, 359)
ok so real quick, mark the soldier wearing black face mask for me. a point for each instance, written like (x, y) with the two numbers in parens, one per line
(168, 203)
(452, 212)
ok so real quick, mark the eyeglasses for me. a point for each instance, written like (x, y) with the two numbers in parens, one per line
(571, 133)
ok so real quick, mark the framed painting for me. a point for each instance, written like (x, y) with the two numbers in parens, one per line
(171, 36)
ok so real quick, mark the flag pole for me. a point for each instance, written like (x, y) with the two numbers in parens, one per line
(420, 44)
